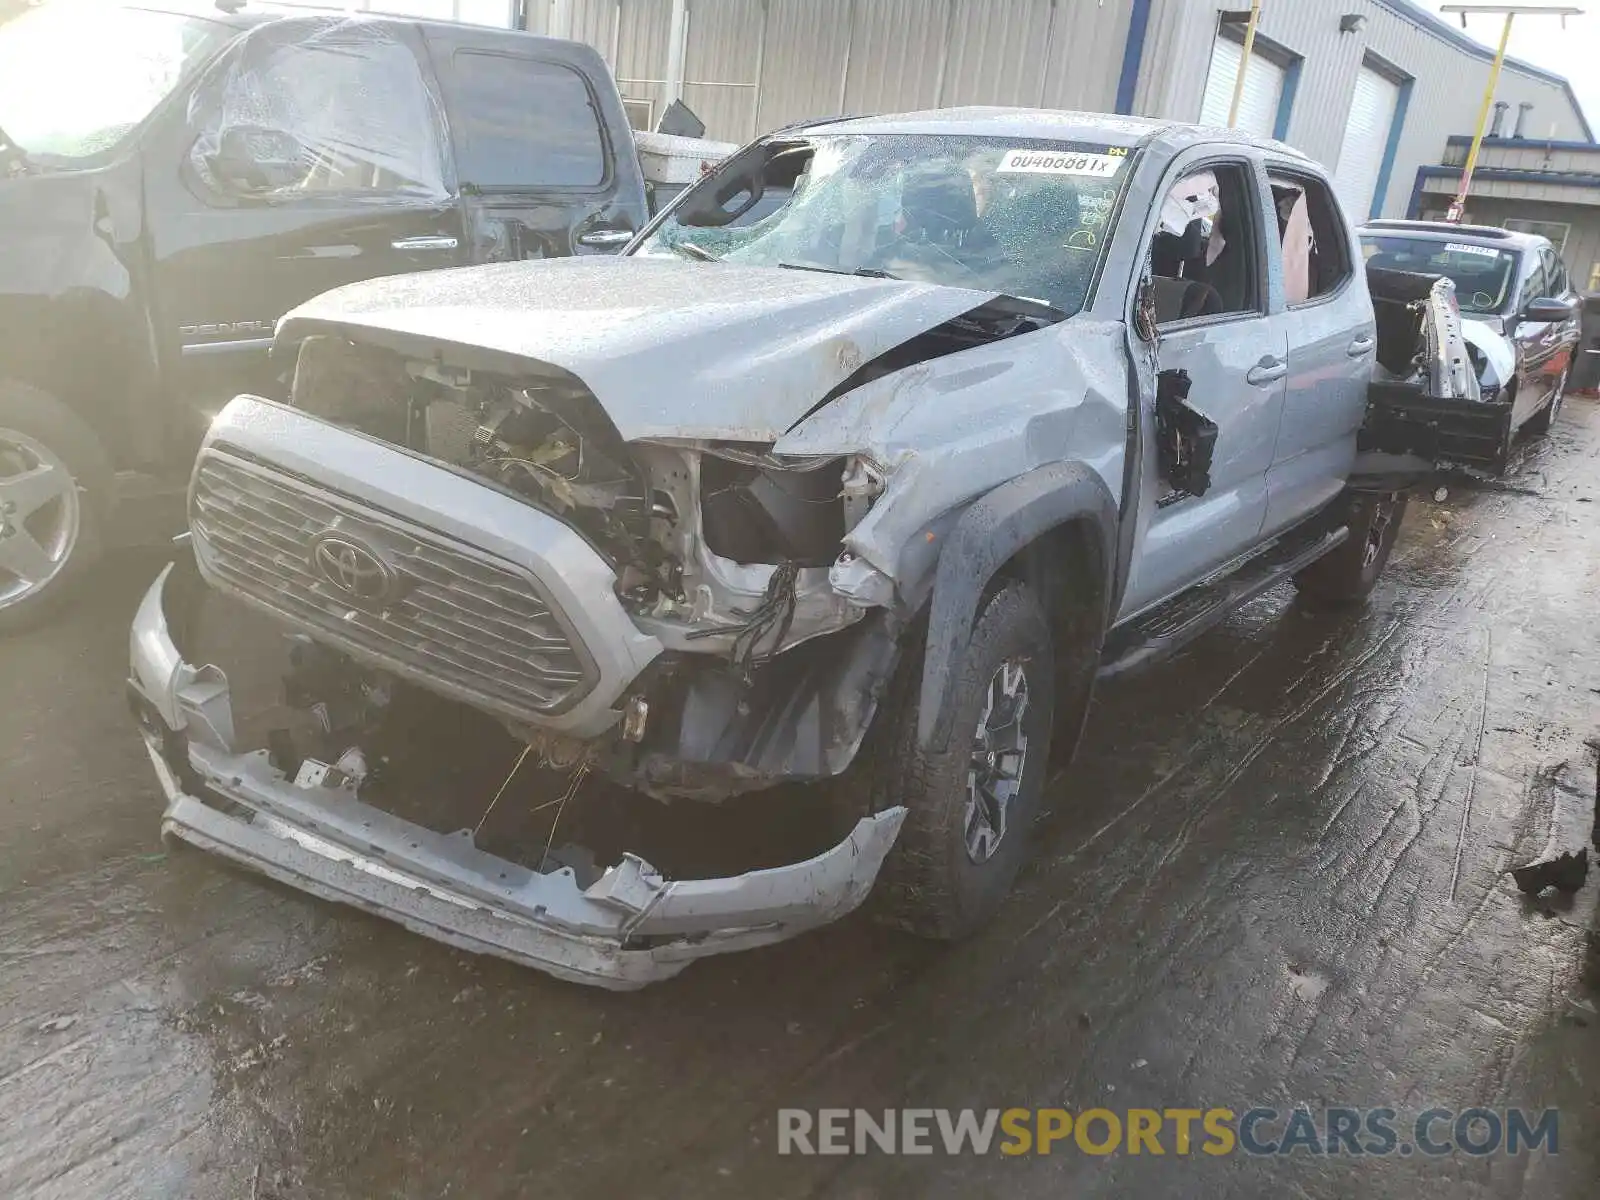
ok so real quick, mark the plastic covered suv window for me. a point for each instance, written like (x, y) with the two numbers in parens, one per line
(322, 106)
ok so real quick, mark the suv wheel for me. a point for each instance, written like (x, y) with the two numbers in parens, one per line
(1541, 421)
(971, 807)
(54, 485)
(1348, 575)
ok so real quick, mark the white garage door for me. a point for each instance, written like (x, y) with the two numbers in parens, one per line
(1263, 87)
(1366, 138)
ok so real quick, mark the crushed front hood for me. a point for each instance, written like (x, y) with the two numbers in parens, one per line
(670, 349)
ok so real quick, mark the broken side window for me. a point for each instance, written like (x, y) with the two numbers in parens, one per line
(1026, 218)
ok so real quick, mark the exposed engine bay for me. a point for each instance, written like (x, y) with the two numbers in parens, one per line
(718, 547)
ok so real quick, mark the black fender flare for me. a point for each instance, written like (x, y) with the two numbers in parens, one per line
(989, 534)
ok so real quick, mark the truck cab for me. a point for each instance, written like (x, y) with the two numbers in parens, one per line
(878, 448)
(174, 179)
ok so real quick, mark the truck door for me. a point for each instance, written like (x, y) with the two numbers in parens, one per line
(1327, 318)
(312, 156)
(542, 146)
(1222, 362)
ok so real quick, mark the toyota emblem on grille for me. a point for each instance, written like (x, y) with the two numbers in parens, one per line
(352, 569)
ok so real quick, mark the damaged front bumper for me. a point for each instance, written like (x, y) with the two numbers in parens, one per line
(629, 928)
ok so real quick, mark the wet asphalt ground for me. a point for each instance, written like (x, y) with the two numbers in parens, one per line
(1273, 877)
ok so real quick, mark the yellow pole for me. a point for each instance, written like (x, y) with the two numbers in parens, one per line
(1244, 62)
(1459, 206)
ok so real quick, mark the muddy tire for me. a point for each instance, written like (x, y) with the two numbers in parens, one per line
(1348, 575)
(1539, 424)
(55, 491)
(971, 807)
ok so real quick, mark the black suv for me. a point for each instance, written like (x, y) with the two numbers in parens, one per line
(173, 180)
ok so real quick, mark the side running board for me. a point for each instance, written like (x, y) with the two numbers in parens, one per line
(1170, 626)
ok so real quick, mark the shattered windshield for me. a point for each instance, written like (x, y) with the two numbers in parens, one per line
(1021, 217)
(1483, 275)
(76, 78)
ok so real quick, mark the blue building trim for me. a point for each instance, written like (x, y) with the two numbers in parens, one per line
(1572, 179)
(1291, 83)
(1415, 14)
(1414, 205)
(1133, 55)
(1525, 143)
(1397, 125)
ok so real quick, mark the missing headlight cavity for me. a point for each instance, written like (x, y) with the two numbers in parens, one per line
(757, 511)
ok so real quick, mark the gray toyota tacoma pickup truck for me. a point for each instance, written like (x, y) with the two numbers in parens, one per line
(859, 468)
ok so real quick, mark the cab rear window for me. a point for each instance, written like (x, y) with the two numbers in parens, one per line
(522, 123)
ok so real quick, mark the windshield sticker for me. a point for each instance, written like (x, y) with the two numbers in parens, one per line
(1464, 248)
(1050, 162)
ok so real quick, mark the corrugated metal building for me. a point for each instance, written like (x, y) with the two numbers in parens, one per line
(1372, 87)
(1542, 186)
(1381, 90)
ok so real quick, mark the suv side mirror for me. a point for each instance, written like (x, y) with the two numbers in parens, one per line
(1549, 309)
(254, 158)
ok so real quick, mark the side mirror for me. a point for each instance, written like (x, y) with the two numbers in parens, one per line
(1549, 309)
(254, 158)
(724, 202)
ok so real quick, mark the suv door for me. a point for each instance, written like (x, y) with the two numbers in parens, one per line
(541, 146)
(1213, 325)
(311, 157)
(1326, 315)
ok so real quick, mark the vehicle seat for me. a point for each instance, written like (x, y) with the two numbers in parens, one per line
(1181, 299)
(1177, 298)
(1034, 231)
(938, 206)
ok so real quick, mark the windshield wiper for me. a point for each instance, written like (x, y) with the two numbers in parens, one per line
(696, 251)
(861, 272)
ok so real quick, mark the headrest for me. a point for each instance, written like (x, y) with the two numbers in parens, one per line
(1168, 251)
(938, 201)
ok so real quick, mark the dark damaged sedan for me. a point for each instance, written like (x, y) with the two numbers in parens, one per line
(1521, 327)
(866, 461)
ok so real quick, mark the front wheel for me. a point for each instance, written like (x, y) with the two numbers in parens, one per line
(972, 805)
(1348, 574)
(54, 485)
(1541, 421)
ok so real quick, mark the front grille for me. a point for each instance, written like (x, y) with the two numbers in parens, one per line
(451, 617)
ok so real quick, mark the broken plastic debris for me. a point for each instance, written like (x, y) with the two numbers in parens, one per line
(1564, 872)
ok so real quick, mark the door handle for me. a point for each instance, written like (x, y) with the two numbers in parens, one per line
(605, 239)
(1361, 346)
(425, 243)
(1268, 370)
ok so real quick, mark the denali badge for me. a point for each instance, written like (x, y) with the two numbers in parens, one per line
(351, 569)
